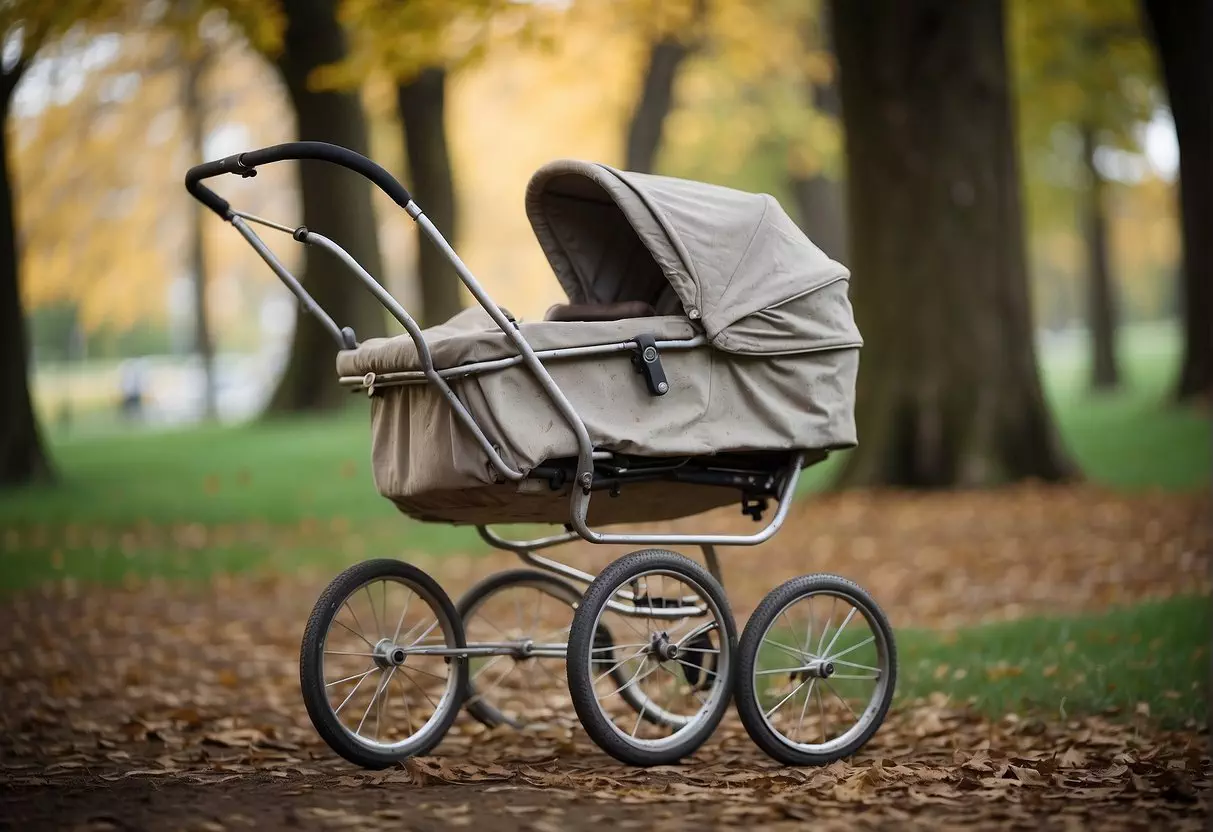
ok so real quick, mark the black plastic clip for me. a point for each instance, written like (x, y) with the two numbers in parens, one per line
(647, 360)
(754, 507)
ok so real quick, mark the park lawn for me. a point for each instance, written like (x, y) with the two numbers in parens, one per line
(1148, 660)
(228, 499)
(1156, 653)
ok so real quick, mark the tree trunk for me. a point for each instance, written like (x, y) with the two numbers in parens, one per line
(1183, 37)
(1101, 290)
(22, 458)
(948, 391)
(656, 101)
(195, 62)
(422, 105)
(336, 203)
(820, 200)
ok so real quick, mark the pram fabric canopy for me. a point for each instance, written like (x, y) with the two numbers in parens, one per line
(732, 260)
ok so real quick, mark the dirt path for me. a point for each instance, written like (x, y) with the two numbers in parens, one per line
(158, 707)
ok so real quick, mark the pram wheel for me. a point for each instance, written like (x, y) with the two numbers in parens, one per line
(373, 688)
(816, 671)
(668, 615)
(532, 610)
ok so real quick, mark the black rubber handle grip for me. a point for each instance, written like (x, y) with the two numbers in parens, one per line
(245, 164)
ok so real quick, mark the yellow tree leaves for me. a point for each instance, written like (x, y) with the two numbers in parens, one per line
(99, 156)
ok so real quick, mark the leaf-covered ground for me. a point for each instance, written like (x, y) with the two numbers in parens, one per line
(160, 705)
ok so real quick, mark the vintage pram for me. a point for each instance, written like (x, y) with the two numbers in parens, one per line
(707, 354)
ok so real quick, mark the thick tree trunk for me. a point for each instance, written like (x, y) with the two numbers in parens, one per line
(948, 388)
(1183, 36)
(336, 203)
(22, 458)
(422, 105)
(655, 102)
(1101, 290)
(195, 116)
(820, 200)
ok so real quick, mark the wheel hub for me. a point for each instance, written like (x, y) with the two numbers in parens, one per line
(389, 654)
(815, 669)
(662, 648)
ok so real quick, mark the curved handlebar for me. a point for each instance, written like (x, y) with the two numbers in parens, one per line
(245, 164)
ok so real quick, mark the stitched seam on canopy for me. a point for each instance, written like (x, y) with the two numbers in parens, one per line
(766, 206)
(672, 238)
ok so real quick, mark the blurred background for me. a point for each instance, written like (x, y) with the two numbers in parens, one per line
(129, 293)
(1022, 189)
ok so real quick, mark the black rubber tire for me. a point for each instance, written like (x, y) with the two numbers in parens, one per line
(311, 679)
(482, 710)
(581, 681)
(748, 707)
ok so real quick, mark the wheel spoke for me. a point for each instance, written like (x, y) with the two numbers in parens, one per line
(371, 600)
(829, 621)
(856, 676)
(493, 686)
(419, 687)
(354, 615)
(371, 704)
(694, 692)
(853, 648)
(783, 613)
(351, 678)
(428, 630)
(786, 698)
(840, 699)
(377, 701)
(636, 679)
(791, 651)
(408, 716)
(347, 653)
(808, 694)
(825, 736)
(835, 660)
(408, 599)
(349, 696)
(620, 664)
(841, 627)
(352, 630)
(697, 667)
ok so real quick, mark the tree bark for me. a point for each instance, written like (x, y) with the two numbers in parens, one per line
(336, 203)
(948, 392)
(1101, 289)
(22, 457)
(422, 105)
(655, 102)
(820, 200)
(1183, 37)
(195, 63)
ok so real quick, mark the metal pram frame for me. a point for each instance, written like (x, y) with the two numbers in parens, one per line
(627, 594)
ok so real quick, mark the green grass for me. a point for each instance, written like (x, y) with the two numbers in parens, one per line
(314, 473)
(1136, 437)
(1155, 653)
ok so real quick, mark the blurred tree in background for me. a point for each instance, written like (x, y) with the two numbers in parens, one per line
(1183, 36)
(335, 201)
(949, 393)
(1085, 79)
(674, 32)
(744, 94)
(417, 44)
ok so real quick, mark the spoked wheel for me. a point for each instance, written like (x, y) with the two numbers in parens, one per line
(816, 670)
(371, 690)
(673, 654)
(531, 612)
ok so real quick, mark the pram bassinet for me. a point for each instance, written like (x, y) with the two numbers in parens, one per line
(750, 319)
